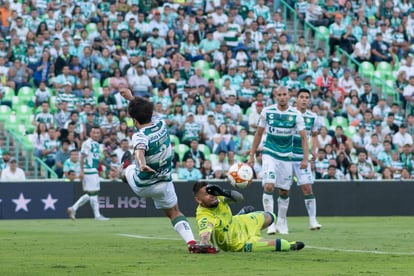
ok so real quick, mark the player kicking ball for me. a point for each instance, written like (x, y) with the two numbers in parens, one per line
(149, 175)
(240, 233)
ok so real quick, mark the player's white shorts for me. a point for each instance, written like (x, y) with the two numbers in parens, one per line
(303, 176)
(91, 182)
(277, 172)
(163, 193)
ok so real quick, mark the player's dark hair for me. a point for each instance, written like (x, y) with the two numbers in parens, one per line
(198, 185)
(141, 110)
(304, 90)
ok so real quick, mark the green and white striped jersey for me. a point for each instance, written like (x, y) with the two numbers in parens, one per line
(280, 126)
(90, 149)
(311, 125)
(155, 140)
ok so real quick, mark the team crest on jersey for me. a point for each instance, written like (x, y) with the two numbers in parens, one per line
(307, 120)
(290, 118)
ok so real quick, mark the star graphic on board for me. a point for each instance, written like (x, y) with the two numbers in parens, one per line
(21, 203)
(49, 202)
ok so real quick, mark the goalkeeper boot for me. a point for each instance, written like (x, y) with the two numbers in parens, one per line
(126, 160)
(296, 245)
(203, 249)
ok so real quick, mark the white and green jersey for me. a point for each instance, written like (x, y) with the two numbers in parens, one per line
(70, 166)
(280, 126)
(91, 150)
(155, 140)
(71, 99)
(311, 125)
(191, 131)
(53, 145)
(337, 30)
(46, 118)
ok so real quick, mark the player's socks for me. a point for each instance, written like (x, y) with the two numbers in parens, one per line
(310, 203)
(283, 205)
(95, 205)
(266, 246)
(268, 202)
(81, 201)
(282, 245)
(183, 228)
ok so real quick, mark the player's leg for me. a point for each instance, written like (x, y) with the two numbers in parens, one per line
(92, 184)
(277, 245)
(305, 181)
(79, 203)
(268, 182)
(284, 180)
(180, 224)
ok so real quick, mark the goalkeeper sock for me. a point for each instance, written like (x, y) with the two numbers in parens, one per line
(81, 201)
(310, 203)
(268, 203)
(282, 245)
(95, 205)
(283, 205)
(183, 228)
(270, 245)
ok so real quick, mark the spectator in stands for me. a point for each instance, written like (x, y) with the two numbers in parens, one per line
(38, 139)
(189, 172)
(331, 174)
(387, 174)
(370, 98)
(195, 154)
(361, 139)
(314, 14)
(381, 50)
(72, 164)
(12, 172)
(340, 138)
(353, 173)
(374, 148)
(402, 138)
(336, 32)
(405, 174)
(18, 75)
(190, 129)
(365, 167)
(61, 156)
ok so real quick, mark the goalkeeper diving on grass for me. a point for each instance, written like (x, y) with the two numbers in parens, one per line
(240, 233)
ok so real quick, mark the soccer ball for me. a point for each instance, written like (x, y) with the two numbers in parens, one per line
(240, 175)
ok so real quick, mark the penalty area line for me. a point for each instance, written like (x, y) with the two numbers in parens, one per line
(306, 246)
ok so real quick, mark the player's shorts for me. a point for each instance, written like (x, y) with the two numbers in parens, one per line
(277, 172)
(252, 224)
(91, 182)
(163, 193)
(303, 176)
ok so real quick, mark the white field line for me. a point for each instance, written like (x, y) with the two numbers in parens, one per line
(307, 246)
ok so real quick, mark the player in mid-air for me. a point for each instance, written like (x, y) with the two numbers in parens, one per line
(89, 162)
(149, 172)
(240, 233)
(281, 122)
(304, 176)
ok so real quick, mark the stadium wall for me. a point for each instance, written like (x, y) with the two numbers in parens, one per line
(41, 200)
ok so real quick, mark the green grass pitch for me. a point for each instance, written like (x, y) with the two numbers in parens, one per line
(149, 246)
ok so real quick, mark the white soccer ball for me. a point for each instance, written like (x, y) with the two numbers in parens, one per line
(240, 175)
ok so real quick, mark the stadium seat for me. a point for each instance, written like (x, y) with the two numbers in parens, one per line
(174, 139)
(23, 110)
(211, 73)
(8, 93)
(340, 121)
(106, 83)
(5, 112)
(366, 69)
(91, 28)
(323, 33)
(26, 95)
(204, 65)
(181, 149)
(378, 78)
(384, 67)
(204, 149)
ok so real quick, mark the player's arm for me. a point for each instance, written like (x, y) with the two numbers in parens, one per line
(140, 156)
(256, 141)
(230, 196)
(81, 163)
(314, 144)
(304, 163)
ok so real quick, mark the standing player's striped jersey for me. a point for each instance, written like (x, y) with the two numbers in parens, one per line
(280, 126)
(311, 125)
(155, 140)
(90, 149)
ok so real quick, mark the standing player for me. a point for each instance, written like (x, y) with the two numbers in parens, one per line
(89, 162)
(150, 175)
(281, 122)
(304, 176)
(240, 233)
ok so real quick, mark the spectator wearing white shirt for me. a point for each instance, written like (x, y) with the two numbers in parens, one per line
(361, 139)
(12, 172)
(347, 82)
(381, 110)
(219, 17)
(402, 138)
(139, 83)
(407, 67)
(374, 148)
(408, 91)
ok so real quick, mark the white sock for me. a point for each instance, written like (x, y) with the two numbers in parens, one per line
(95, 205)
(268, 203)
(183, 228)
(310, 204)
(82, 200)
(283, 205)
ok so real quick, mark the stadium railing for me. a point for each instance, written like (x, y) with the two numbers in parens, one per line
(39, 165)
(20, 146)
(287, 8)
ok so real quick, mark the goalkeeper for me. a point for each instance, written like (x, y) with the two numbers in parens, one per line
(239, 233)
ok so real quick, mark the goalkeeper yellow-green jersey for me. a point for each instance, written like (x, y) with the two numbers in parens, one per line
(230, 233)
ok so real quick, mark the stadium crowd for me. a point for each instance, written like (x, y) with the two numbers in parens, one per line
(209, 67)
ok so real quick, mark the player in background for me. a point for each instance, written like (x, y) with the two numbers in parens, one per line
(149, 174)
(281, 122)
(304, 176)
(240, 233)
(89, 162)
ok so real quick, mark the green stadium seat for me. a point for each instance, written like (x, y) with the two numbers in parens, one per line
(204, 149)
(106, 82)
(323, 33)
(204, 65)
(378, 77)
(384, 67)
(340, 121)
(8, 93)
(366, 69)
(211, 74)
(5, 112)
(23, 110)
(181, 149)
(174, 139)
(91, 28)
